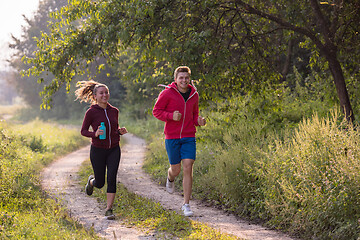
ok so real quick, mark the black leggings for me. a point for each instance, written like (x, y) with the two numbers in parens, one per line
(100, 160)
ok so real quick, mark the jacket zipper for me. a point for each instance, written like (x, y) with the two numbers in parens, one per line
(109, 128)
(182, 126)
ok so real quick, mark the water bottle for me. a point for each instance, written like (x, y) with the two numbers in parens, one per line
(102, 127)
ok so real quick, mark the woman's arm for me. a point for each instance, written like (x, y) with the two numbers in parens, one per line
(86, 125)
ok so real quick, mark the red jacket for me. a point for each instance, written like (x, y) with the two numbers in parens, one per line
(170, 100)
(93, 117)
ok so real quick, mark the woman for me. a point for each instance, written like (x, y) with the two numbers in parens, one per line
(104, 153)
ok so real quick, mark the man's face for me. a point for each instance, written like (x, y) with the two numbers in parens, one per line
(182, 81)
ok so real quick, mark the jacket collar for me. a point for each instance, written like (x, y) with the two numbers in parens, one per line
(96, 106)
(191, 86)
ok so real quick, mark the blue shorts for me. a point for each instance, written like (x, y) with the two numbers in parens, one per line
(178, 149)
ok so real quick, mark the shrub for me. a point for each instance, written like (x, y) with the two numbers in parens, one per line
(304, 181)
(312, 180)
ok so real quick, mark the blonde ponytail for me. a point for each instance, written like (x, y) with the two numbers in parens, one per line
(86, 90)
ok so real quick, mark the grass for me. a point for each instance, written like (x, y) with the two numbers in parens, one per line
(25, 211)
(9, 109)
(50, 137)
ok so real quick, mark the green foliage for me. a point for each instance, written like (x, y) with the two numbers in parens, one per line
(36, 144)
(56, 140)
(28, 87)
(304, 182)
(63, 104)
(232, 47)
(25, 212)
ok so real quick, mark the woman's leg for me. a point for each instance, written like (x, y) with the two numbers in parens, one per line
(112, 163)
(110, 197)
(98, 162)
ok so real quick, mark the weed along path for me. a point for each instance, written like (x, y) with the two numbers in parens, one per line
(60, 179)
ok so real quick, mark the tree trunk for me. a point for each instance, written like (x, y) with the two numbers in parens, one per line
(329, 50)
(340, 85)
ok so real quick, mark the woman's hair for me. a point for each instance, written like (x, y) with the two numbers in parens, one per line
(87, 89)
(181, 69)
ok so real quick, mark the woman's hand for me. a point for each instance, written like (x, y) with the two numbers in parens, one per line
(98, 132)
(122, 131)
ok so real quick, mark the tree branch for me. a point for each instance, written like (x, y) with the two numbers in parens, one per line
(252, 10)
(324, 26)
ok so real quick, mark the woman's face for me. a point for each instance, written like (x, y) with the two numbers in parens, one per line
(102, 95)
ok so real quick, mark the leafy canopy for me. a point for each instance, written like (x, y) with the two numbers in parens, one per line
(232, 46)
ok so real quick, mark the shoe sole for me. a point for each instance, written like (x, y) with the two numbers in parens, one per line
(188, 214)
(171, 191)
(111, 217)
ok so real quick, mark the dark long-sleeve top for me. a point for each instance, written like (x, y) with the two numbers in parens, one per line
(93, 117)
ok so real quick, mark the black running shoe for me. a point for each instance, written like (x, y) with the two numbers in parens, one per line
(89, 188)
(109, 214)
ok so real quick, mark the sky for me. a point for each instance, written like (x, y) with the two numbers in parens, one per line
(11, 20)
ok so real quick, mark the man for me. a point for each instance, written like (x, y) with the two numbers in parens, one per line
(178, 107)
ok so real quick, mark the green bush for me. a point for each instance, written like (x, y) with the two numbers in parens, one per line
(36, 144)
(312, 180)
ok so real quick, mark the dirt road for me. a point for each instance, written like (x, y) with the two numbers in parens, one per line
(60, 179)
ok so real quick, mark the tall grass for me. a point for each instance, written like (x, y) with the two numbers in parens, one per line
(25, 212)
(9, 110)
(315, 174)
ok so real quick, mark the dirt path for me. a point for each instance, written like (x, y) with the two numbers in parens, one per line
(5, 116)
(61, 180)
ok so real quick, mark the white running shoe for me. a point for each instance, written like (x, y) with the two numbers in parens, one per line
(186, 210)
(170, 186)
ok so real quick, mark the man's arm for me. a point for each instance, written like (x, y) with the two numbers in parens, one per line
(159, 110)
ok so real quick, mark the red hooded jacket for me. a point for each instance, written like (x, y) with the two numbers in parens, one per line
(93, 117)
(170, 100)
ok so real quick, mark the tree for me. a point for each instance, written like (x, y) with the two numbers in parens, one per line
(27, 86)
(231, 45)
(63, 104)
(326, 30)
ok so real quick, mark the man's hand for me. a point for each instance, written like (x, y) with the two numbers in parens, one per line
(201, 121)
(176, 116)
(122, 131)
